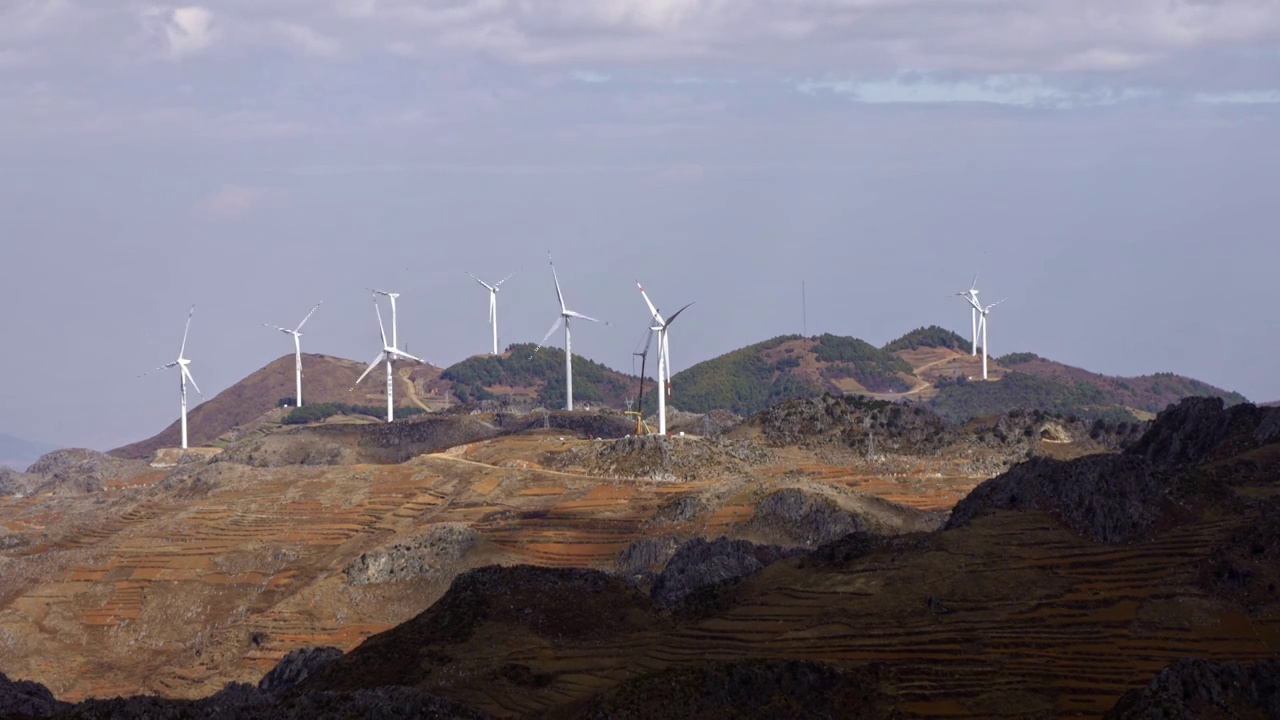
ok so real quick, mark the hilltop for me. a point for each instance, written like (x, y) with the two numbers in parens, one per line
(326, 379)
(534, 375)
(748, 380)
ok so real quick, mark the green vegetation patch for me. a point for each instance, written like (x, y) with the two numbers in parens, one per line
(932, 336)
(527, 365)
(963, 400)
(875, 369)
(741, 381)
(1017, 358)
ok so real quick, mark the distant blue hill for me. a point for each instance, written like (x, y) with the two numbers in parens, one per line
(19, 453)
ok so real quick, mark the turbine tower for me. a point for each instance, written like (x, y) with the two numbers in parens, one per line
(565, 316)
(664, 356)
(982, 329)
(183, 376)
(297, 352)
(972, 296)
(388, 353)
(493, 305)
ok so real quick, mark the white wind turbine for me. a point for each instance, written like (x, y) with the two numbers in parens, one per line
(388, 353)
(183, 376)
(565, 316)
(982, 328)
(664, 356)
(493, 305)
(297, 352)
(972, 296)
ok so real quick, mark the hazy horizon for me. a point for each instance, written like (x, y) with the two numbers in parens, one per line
(1109, 167)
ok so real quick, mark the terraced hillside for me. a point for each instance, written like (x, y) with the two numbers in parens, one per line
(326, 379)
(219, 567)
(1015, 610)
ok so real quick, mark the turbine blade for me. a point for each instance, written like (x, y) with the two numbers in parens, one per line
(486, 285)
(559, 295)
(652, 310)
(162, 367)
(677, 313)
(406, 356)
(974, 285)
(381, 329)
(376, 362)
(499, 283)
(580, 316)
(308, 317)
(550, 332)
(192, 380)
(183, 350)
(277, 327)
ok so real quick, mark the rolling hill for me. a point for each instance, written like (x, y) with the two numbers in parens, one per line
(326, 379)
(532, 374)
(748, 380)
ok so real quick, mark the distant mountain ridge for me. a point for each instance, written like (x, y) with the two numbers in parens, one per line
(18, 452)
(932, 365)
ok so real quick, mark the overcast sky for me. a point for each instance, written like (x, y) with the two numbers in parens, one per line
(1110, 165)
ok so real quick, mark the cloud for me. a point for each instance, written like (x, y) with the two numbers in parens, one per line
(186, 30)
(309, 41)
(233, 201)
(1255, 97)
(1015, 90)
(589, 77)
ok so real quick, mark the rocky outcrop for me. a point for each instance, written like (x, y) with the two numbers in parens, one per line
(444, 543)
(662, 458)
(700, 564)
(1109, 498)
(1116, 498)
(1192, 688)
(82, 471)
(26, 698)
(13, 482)
(795, 517)
(856, 422)
(647, 554)
(295, 667)
(1188, 432)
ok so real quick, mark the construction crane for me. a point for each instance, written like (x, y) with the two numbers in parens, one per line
(642, 428)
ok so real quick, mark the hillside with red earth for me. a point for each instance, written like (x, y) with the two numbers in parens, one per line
(324, 379)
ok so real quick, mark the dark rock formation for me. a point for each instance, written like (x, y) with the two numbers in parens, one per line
(1195, 689)
(26, 698)
(857, 422)
(1110, 498)
(699, 564)
(647, 554)
(795, 517)
(443, 543)
(295, 667)
(1115, 498)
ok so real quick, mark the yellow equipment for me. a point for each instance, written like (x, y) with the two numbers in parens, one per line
(642, 428)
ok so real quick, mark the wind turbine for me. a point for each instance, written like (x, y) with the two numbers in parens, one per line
(388, 353)
(664, 356)
(297, 352)
(565, 316)
(972, 296)
(982, 328)
(183, 376)
(493, 305)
